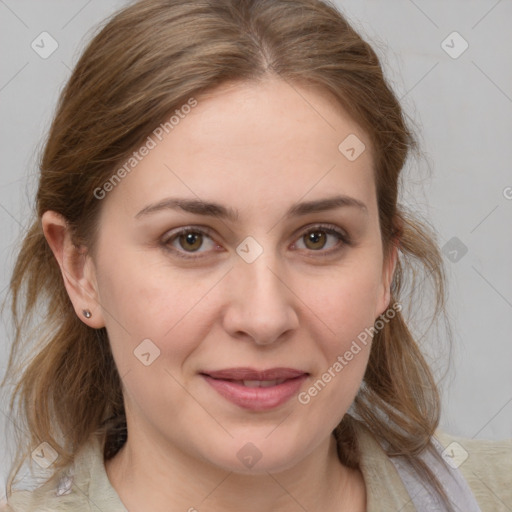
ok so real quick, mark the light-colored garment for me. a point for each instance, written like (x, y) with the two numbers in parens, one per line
(486, 466)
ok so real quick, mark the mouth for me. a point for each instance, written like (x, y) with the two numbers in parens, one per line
(256, 390)
(250, 374)
(258, 383)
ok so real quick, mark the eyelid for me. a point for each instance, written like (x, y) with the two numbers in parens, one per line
(331, 229)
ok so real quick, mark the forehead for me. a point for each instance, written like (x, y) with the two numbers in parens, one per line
(254, 143)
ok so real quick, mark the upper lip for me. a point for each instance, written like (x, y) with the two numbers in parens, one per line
(252, 374)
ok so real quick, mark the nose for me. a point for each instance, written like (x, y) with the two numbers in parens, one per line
(261, 304)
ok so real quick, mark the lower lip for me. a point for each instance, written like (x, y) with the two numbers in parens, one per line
(256, 399)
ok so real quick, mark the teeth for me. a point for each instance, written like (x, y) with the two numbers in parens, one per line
(262, 383)
(252, 383)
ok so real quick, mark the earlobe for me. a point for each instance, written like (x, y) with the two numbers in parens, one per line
(76, 267)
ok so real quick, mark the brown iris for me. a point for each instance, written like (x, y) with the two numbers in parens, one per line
(193, 240)
(316, 237)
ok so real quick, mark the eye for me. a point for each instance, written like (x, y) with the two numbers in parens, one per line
(187, 241)
(316, 239)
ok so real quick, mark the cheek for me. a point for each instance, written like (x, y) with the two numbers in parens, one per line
(347, 308)
(347, 301)
(152, 329)
(144, 300)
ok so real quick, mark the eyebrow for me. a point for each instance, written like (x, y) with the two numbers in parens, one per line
(219, 211)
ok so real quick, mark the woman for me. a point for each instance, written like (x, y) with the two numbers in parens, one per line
(221, 254)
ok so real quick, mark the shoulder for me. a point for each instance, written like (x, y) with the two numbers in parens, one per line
(78, 488)
(485, 465)
(45, 498)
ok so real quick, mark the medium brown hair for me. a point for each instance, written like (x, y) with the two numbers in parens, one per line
(147, 61)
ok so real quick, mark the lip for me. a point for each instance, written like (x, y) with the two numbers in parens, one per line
(255, 398)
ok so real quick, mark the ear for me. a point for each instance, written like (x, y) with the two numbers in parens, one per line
(388, 271)
(77, 269)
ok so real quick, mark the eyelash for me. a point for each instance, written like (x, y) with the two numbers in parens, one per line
(330, 229)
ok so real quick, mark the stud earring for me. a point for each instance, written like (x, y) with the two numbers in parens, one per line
(86, 313)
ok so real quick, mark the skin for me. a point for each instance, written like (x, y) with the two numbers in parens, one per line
(258, 149)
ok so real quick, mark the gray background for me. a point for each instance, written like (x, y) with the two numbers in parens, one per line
(462, 110)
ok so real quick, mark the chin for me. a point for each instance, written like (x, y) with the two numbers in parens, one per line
(257, 457)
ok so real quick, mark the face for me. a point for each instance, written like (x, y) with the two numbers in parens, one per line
(257, 281)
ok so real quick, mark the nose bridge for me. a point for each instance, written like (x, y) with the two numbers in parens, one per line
(257, 260)
(262, 303)
(264, 281)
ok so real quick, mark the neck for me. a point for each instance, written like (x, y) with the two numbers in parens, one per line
(148, 477)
